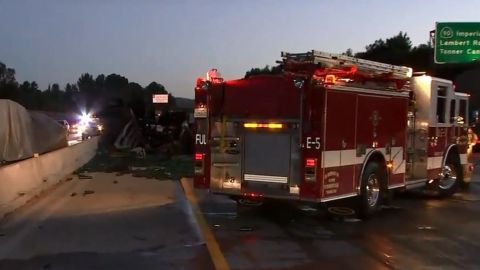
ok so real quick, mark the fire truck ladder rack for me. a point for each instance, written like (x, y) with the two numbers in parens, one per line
(331, 60)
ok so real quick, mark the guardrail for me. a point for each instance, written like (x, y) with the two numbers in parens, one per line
(23, 180)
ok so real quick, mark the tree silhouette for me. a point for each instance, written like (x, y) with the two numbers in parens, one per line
(262, 71)
(393, 50)
(348, 52)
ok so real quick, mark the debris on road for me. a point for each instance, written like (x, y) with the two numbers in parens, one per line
(426, 228)
(341, 211)
(341, 214)
(119, 155)
(307, 208)
(73, 194)
(137, 168)
(352, 220)
(246, 229)
(195, 244)
(390, 207)
(68, 179)
(139, 238)
(154, 165)
(21, 193)
(84, 176)
(115, 182)
(87, 192)
(387, 256)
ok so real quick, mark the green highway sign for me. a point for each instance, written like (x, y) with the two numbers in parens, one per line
(457, 42)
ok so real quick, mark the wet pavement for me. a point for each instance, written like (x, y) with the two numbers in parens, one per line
(112, 220)
(414, 232)
(105, 221)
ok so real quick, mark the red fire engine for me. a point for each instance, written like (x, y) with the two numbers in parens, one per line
(328, 128)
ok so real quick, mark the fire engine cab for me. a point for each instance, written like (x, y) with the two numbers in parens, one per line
(330, 127)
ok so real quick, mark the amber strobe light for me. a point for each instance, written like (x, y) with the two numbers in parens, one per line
(263, 125)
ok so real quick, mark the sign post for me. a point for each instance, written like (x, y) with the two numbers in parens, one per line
(457, 42)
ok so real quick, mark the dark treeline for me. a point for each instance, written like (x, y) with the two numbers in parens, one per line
(88, 94)
(396, 50)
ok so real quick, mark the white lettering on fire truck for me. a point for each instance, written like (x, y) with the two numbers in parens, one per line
(331, 183)
(312, 142)
(200, 139)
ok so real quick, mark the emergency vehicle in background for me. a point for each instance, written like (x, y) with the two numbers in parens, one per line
(330, 127)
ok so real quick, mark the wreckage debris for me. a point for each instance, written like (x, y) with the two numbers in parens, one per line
(87, 192)
(84, 176)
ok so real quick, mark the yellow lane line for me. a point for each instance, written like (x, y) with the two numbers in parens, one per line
(212, 245)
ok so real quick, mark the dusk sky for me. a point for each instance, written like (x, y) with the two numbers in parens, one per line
(174, 42)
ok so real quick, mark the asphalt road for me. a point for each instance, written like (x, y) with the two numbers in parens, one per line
(108, 221)
(413, 232)
(114, 221)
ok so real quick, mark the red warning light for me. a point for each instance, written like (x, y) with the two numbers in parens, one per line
(198, 156)
(310, 162)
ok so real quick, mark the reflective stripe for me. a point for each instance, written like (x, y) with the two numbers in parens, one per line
(399, 168)
(347, 157)
(369, 91)
(339, 197)
(331, 159)
(463, 159)
(266, 178)
(396, 186)
(398, 161)
(434, 162)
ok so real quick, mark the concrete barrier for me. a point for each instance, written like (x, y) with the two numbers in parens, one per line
(23, 180)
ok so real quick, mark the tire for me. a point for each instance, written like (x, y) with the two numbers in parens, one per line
(453, 172)
(371, 190)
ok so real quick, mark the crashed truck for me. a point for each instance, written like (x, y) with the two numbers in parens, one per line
(25, 133)
(330, 127)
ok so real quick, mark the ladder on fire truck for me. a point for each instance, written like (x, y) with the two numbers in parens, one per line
(369, 68)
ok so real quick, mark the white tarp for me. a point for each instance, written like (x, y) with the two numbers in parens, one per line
(22, 134)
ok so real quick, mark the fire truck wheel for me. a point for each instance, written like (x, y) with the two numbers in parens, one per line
(452, 176)
(371, 189)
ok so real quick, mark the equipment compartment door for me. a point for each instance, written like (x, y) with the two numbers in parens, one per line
(271, 162)
(267, 157)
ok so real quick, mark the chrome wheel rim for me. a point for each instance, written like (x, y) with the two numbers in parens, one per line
(448, 177)
(373, 190)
